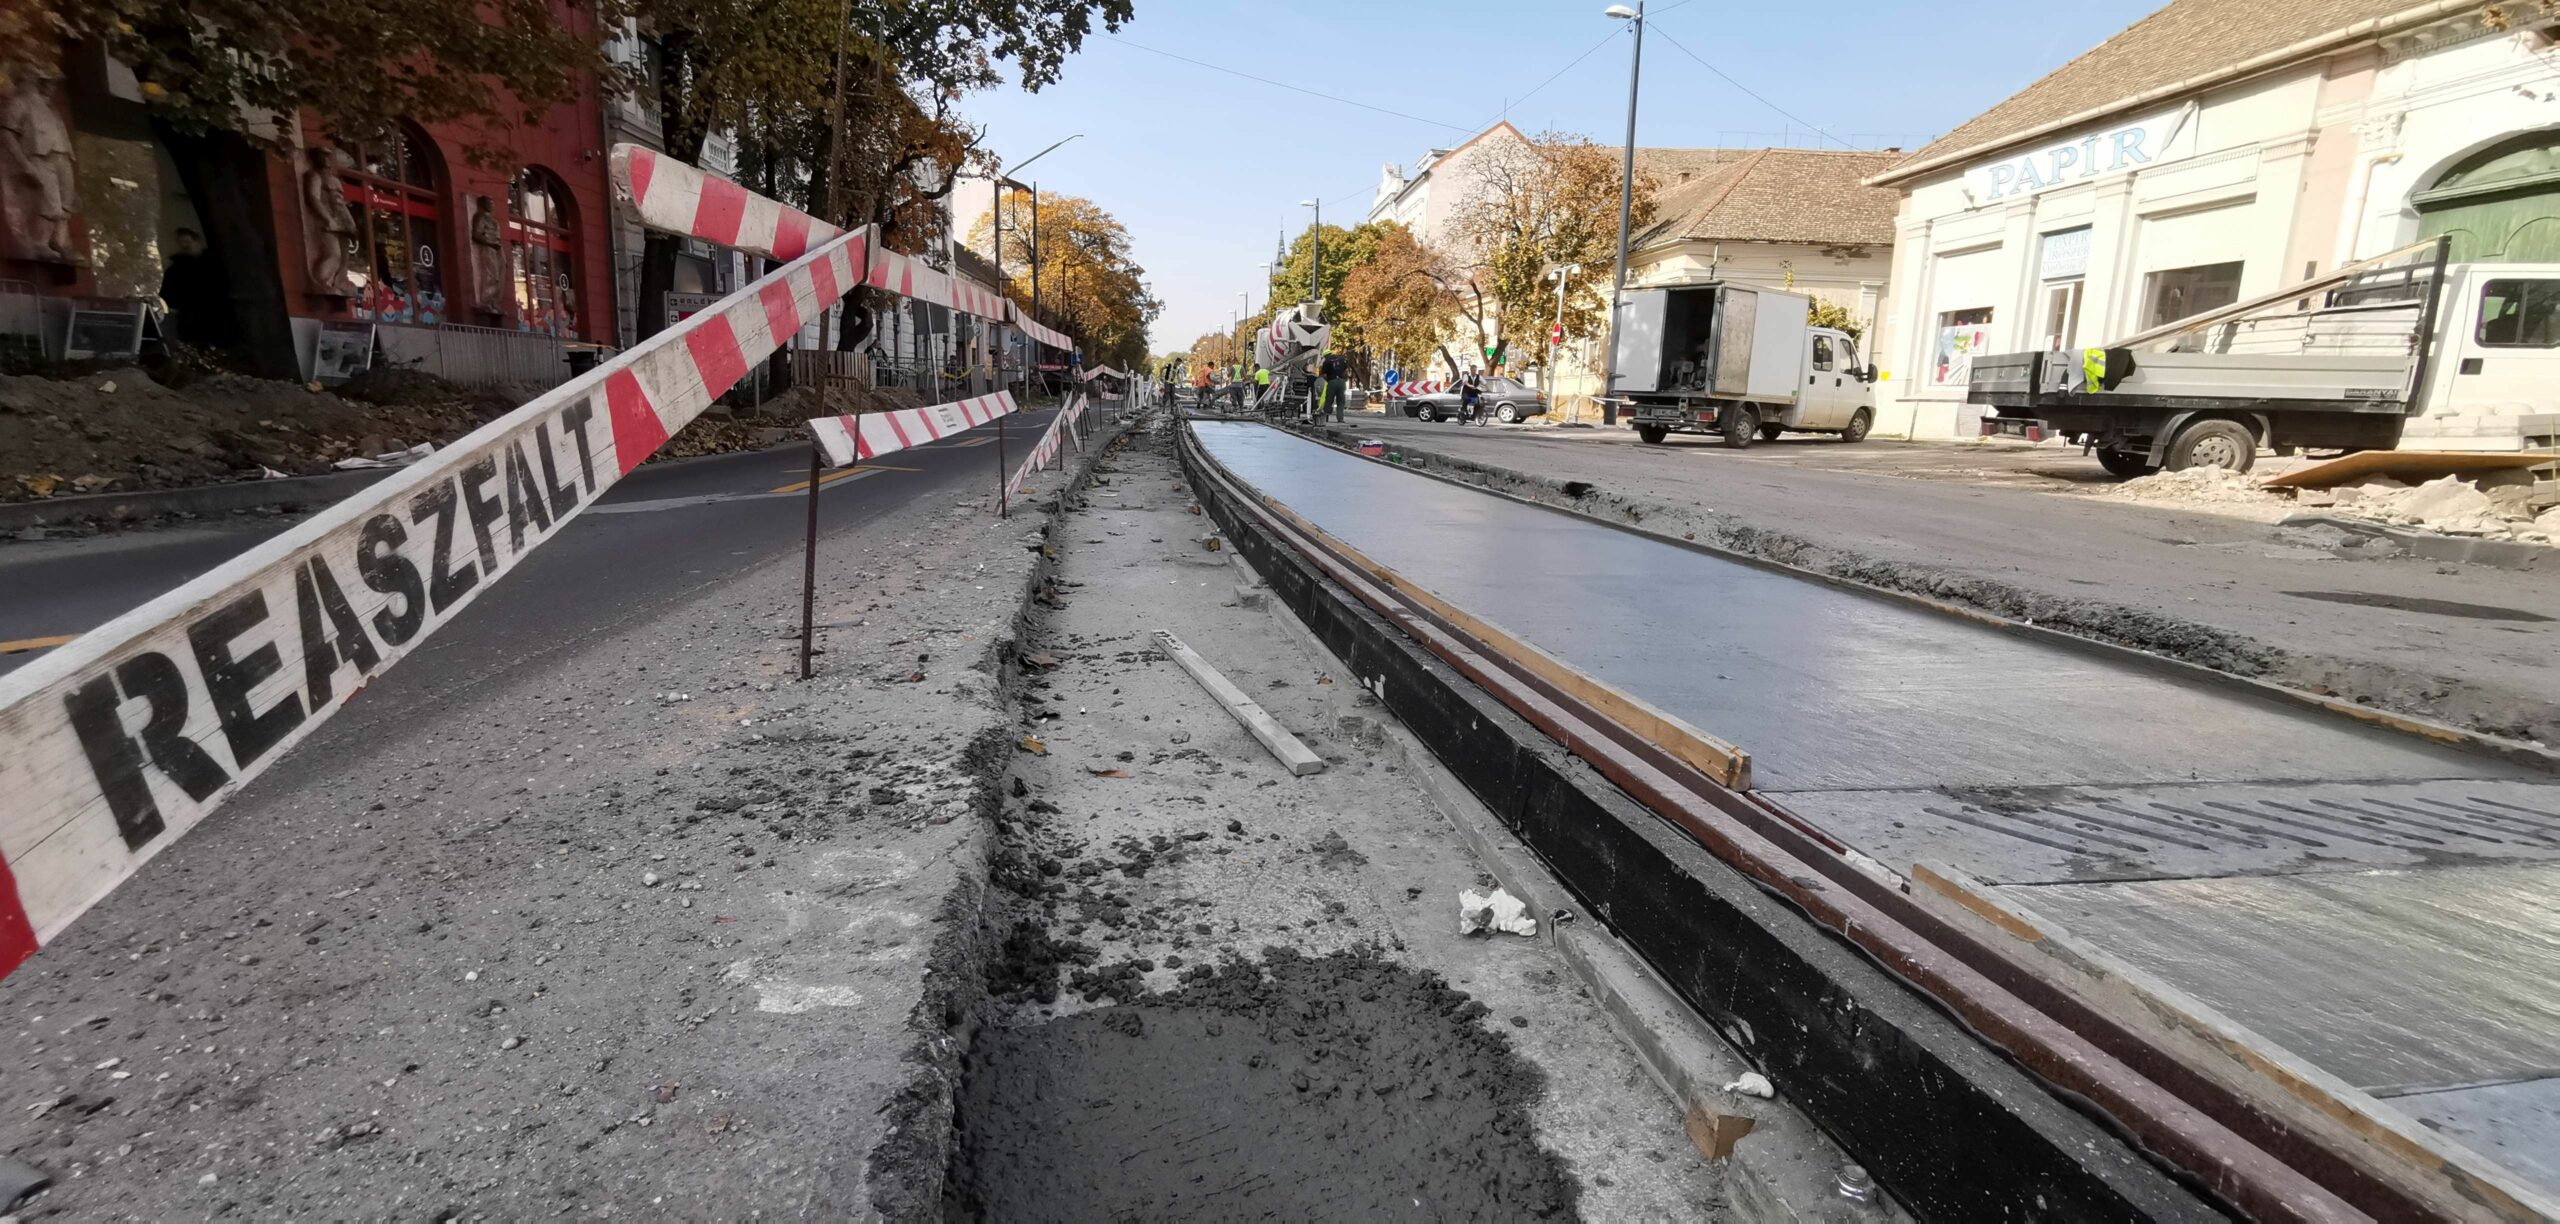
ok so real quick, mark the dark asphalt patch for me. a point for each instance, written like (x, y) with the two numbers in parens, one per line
(1294, 1087)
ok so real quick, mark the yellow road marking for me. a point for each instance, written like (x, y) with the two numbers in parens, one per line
(847, 474)
(23, 645)
(971, 442)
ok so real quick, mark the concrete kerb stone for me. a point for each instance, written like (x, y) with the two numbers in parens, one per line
(903, 1177)
(1777, 1166)
(2182, 649)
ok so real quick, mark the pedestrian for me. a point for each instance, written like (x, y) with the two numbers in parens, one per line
(1332, 370)
(1470, 396)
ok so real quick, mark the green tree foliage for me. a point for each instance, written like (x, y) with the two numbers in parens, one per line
(1344, 250)
(1828, 313)
(1091, 285)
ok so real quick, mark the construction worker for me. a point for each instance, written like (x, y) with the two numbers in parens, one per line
(1332, 371)
(1261, 384)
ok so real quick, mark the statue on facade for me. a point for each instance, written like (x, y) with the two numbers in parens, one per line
(488, 257)
(328, 225)
(36, 185)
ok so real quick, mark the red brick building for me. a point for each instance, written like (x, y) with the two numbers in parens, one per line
(479, 269)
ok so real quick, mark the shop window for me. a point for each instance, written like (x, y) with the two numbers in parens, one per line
(2183, 292)
(2518, 313)
(542, 253)
(1962, 335)
(396, 253)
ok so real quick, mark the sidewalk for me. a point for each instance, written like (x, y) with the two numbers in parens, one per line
(2313, 608)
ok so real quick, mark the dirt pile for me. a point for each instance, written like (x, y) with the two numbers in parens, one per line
(2196, 486)
(1342, 1086)
(2454, 506)
(121, 430)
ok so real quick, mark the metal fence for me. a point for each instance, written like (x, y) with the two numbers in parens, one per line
(477, 356)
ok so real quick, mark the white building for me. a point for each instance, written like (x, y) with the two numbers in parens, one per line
(1426, 200)
(2216, 150)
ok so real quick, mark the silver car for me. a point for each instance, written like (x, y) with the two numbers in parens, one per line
(1507, 400)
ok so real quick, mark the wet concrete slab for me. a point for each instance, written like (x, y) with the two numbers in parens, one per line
(2368, 901)
(1828, 688)
(2098, 833)
(2396, 981)
(2511, 1123)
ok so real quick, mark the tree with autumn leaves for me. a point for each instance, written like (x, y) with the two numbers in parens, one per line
(1531, 208)
(1090, 284)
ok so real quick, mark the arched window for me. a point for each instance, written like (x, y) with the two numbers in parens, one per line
(542, 246)
(396, 191)
(2501, 204)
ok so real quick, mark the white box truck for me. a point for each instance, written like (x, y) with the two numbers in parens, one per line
(1736, 361)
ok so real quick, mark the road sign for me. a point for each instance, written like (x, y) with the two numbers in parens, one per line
(1557, 335)
(1391, 377)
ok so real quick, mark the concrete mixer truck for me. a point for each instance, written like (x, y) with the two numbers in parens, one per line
(1289, 347)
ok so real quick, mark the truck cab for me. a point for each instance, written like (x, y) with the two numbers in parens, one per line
(1738, 362)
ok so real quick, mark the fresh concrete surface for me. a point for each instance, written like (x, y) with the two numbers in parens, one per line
(1977, 526)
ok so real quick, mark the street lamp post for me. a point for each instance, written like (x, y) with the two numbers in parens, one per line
(1315, 268)
(1626, 210)
(1003, 180)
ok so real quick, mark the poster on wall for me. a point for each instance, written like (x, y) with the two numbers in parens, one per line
(103, 333)
(341, 351)
(1958, 343)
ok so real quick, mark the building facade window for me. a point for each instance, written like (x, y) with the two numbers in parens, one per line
(396, 255)
(2178, 293)
(541, 253)
(2063, 274)
(1962, 335)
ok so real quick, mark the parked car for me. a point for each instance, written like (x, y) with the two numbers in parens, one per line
(1508, 400)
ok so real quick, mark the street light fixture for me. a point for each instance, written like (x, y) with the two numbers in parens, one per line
(1002, 180)
(1626, 209)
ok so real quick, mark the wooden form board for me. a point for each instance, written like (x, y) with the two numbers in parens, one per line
(1300, 760)
(2412, 466)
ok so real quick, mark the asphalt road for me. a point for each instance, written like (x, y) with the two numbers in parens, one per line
(697, 520)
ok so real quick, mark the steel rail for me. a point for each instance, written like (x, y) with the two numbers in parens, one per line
(2252, 1160)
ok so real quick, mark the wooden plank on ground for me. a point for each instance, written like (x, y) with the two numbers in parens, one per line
(2415, 467)
(1275, 737)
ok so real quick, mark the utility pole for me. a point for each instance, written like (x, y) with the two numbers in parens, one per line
(1626, 211)
(1315, 268)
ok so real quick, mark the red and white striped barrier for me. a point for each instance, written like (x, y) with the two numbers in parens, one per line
(679, 199)
(1046, 335)
(1403, 389)
(846, 439)
(1047, 448)
(115, 745)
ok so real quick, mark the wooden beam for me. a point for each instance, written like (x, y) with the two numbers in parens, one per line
(1275, 737)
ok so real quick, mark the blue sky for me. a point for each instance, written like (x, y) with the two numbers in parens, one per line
(1206, 168)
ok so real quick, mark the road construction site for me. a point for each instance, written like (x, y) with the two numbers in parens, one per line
(2061, 842)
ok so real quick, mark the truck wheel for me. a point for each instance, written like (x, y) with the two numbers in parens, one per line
(1740, 422)
(1651, 435)
(1859, 423)
(2222, 444)
(1769, 433)
(2124, 464)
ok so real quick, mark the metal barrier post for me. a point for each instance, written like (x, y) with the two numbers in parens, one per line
(809, 564)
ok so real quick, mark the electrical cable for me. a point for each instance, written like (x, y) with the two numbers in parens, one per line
(1684, 50)
(1281, 84)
